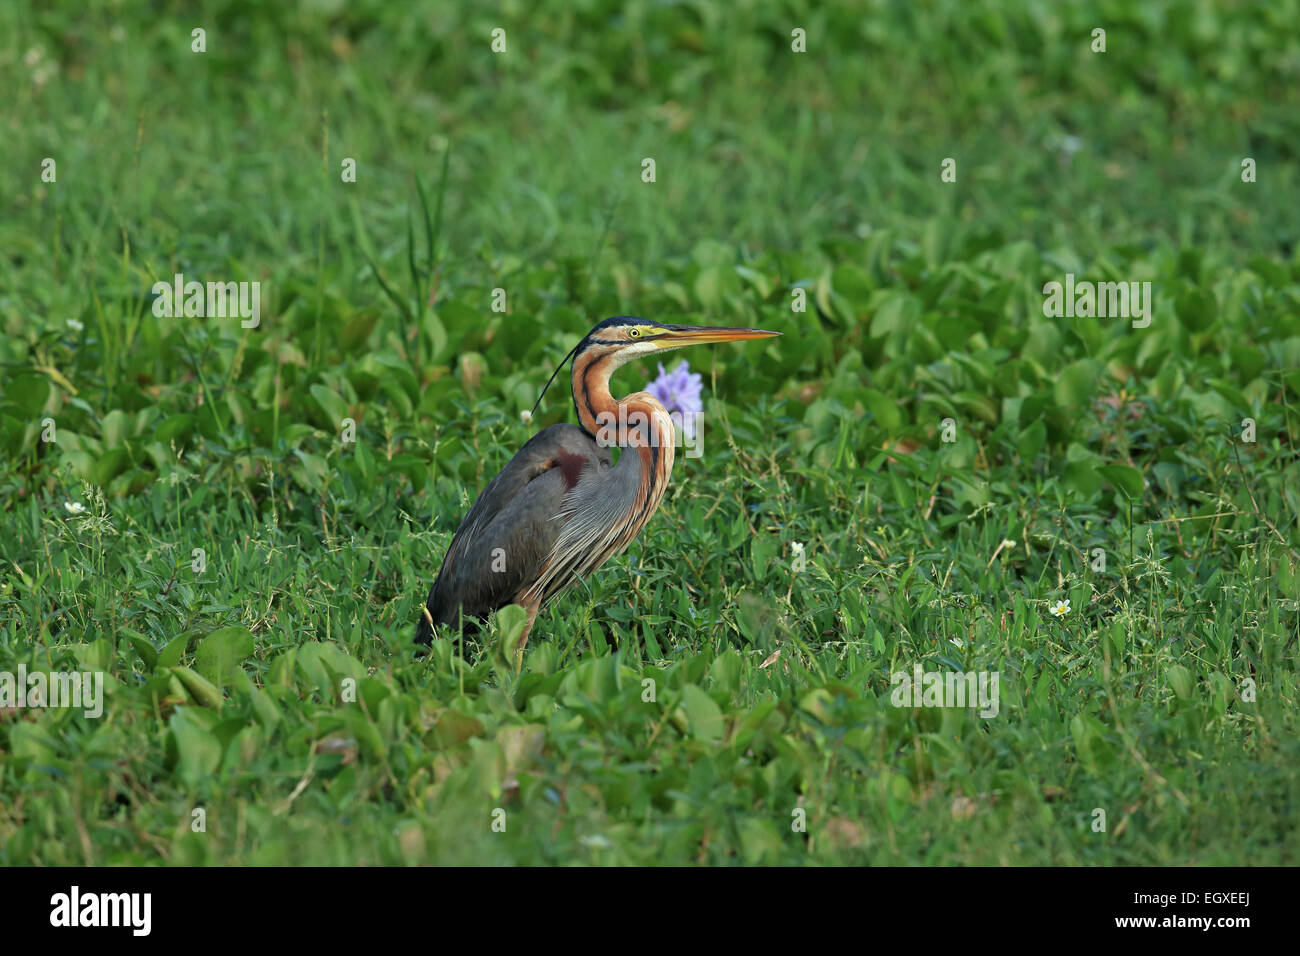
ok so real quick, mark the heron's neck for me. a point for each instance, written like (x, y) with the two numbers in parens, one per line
(638, 422)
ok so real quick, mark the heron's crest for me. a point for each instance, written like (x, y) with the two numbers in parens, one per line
(586, 340)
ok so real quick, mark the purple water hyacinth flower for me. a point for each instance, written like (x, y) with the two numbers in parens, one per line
(679, 390)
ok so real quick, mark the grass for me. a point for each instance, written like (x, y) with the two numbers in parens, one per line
(709, 697)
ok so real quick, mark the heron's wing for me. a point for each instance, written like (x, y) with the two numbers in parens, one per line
(600, 518)
(512, 526)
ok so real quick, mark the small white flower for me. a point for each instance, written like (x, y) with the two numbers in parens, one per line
(75, 325)
(796, 547)
(74, 507)
(525, 416)
(1060, 608)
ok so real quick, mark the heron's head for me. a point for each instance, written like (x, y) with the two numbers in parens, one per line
(617, 341)
(624, 338)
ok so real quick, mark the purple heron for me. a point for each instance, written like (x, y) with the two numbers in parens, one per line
(560, 509)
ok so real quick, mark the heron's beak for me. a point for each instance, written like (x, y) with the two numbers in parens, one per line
(679, 335)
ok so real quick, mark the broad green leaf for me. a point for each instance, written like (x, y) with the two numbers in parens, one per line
(1181, 680)
(220, 653)
(198, 687)
(1127, 479)
(197, 750)
(703, 716)
(331, 403)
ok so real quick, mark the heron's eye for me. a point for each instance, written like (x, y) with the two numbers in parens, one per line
(634, 333)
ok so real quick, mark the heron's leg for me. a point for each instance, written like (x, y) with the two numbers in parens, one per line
(531, 607)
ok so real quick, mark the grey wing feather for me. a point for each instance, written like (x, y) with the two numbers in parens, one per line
(511, 527)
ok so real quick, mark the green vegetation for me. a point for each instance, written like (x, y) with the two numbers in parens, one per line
(1166, 697)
